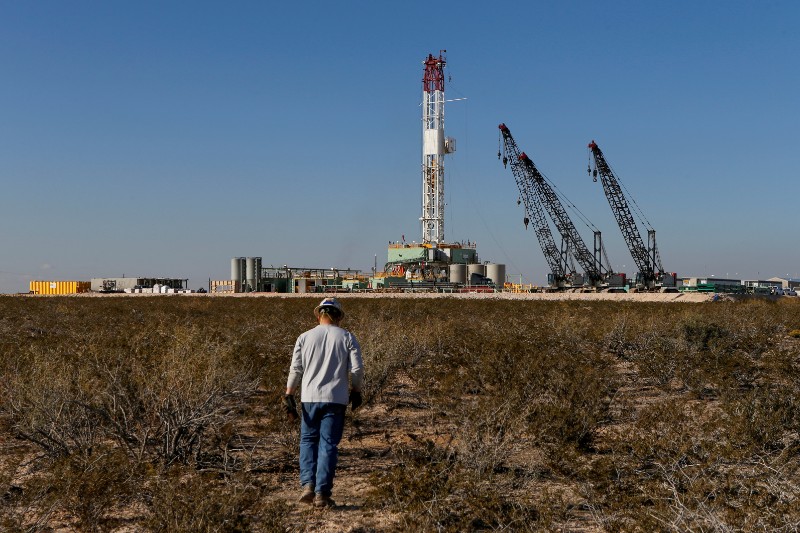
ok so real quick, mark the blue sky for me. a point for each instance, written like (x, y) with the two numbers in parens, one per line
(164, 138)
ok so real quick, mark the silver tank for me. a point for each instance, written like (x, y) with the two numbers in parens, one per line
(458, 273)
(252, 268)
(475, 273)
(497, 273)
(236, 269)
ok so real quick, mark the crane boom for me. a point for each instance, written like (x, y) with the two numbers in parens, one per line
(531, 180)
(647, 258)
(594, 270)
(556, 259)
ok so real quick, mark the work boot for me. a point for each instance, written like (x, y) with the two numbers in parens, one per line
(308, 494)
(321, 501)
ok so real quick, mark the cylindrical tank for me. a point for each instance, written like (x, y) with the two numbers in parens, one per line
(475, 273)
(250, 272)
(497, 273)
(236, 269)
(458, 273)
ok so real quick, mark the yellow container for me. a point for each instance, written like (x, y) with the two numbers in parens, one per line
(59, 287)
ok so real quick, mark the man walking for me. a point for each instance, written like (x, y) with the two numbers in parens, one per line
(324, 358)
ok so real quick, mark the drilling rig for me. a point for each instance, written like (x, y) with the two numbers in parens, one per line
(651, 275)
(535, 191)
(433, 259)
(434, 148)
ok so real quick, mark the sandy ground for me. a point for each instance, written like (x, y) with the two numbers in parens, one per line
(554, 296)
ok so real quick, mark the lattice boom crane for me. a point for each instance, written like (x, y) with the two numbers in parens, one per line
(556, 259)
(646, 257)
(534, 180)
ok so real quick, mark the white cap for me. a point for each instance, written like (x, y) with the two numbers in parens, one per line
(329, 302)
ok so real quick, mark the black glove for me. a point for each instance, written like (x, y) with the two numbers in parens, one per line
(355, 399)
(290, 406)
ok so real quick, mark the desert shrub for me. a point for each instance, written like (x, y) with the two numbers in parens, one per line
(658, 358)
(485, 435)
(10, 494)
(419, 475)
(698, 465)
(676, 432)
(273, 517)
(27, 507)
(436, 493)
(81, 493)
(392, 345)
(384, 361)
(172, 404)
(543, 380)
(160, 393)
(182, 500)
(703, 349)
(702, 333)
(49, 402)
(88, 488)
(646, 337)
(632, 489)
(569, 399)
(618, 333)
(761, 418)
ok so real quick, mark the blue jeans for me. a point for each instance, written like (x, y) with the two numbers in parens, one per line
(320, 433)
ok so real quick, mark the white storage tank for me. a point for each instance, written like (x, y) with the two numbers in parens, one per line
(475, 273)
(237, 269)
(458, 273)
(250, 273)
(497, 273)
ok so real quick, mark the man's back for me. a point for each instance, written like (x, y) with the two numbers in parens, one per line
(325, 356)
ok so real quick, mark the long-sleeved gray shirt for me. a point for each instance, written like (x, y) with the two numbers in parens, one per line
(323, 359)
